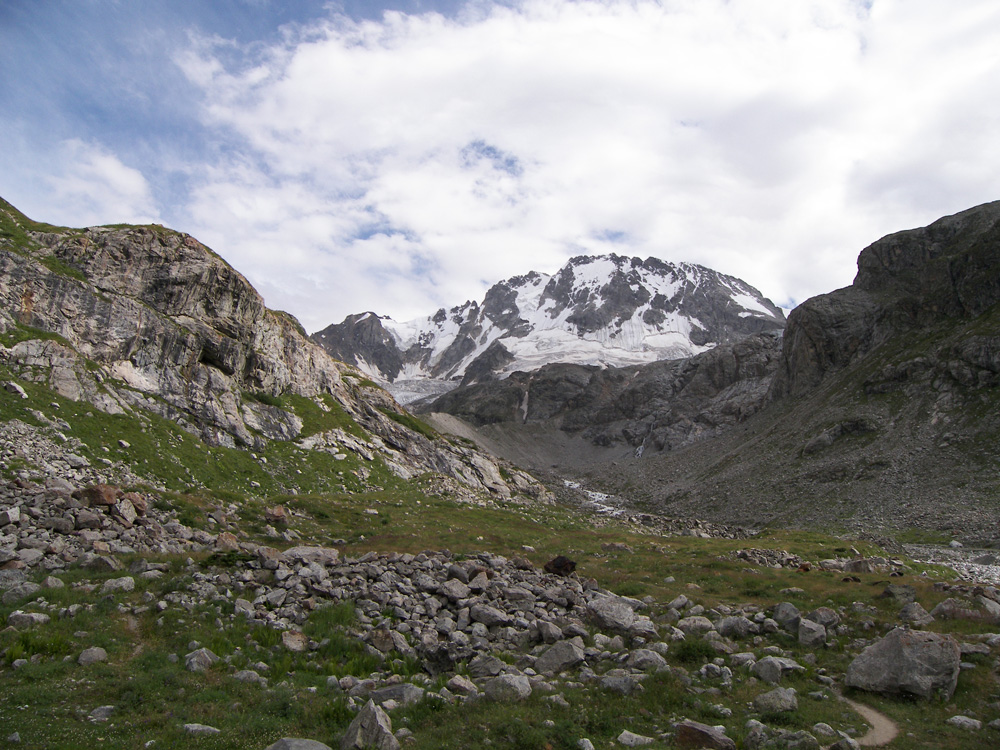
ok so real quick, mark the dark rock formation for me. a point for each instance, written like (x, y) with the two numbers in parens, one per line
(652, 407)
(907, 281)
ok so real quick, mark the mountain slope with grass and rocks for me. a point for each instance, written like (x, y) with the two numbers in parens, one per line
(213, 534)
(883, 410)
(143, 324)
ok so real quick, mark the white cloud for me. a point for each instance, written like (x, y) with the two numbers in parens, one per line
(91, 184)
(403, 165)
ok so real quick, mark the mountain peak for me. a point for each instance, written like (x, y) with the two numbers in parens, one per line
(597, 309)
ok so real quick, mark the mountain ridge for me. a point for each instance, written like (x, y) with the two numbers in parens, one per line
(143, 321)
(606, 310)
(878, 410)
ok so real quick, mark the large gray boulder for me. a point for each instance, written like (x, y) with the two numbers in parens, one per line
(370, 730)
(772, 668)
(295, 743)
(908, 662)
(779, 700)
(611, 613)
(508, 687)
(692, 735)
(559, 657)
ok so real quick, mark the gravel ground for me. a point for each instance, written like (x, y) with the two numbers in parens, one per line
(975, 565)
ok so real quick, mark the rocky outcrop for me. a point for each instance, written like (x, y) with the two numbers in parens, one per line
(881, 413)
(145, 319)
(906, 281)
(655, 407)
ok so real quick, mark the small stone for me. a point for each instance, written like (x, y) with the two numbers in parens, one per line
(631, 739)
(200, 729)
(965, 722)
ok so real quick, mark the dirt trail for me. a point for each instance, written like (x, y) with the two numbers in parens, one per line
(884, 729)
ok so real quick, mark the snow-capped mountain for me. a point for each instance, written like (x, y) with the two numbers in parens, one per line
(603, 310)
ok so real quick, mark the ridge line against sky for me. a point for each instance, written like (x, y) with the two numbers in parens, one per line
(404, 156)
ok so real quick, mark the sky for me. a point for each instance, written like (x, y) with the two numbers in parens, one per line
(404, 156)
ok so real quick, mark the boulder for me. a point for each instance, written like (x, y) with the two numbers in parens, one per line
(779, 700)
(560, 566)
(559, 657)
(915, 615)
(787, 616)
(116, 585)
(631, 739)
(295, 640)
(692, 735)
(508, 687)
(645, 659)
(99, 495)
(811, 634)
(92, 656)
(736, 627)
(403, 694)
(611, 613)
(772, 668)
(370, 730)
(824, 616)
(21, 620)
(488, 615)
(695, 625)
(907, 662)
(200, 660)
(294, 743)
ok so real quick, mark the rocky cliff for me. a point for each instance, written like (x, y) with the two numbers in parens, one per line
(654, 407)
(880, 408)
(596, 310)
(884, 411)
(147, 320)
(909, 281)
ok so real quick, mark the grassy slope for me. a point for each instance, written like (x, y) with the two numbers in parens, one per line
(155, 696)
(48, 700)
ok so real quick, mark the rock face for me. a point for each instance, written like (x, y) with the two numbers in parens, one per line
(370, 730)
(881, 412)
(135, 319)
(906, 281)
(655, 407)
(908, 663)
(595, 310)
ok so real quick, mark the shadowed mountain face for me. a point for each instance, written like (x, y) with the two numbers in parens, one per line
(604, 310)
(880, 407)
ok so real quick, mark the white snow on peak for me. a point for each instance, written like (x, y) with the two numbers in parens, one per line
(649, 334)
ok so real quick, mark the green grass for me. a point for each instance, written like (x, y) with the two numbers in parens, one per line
(411, 422)
(154, 695)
